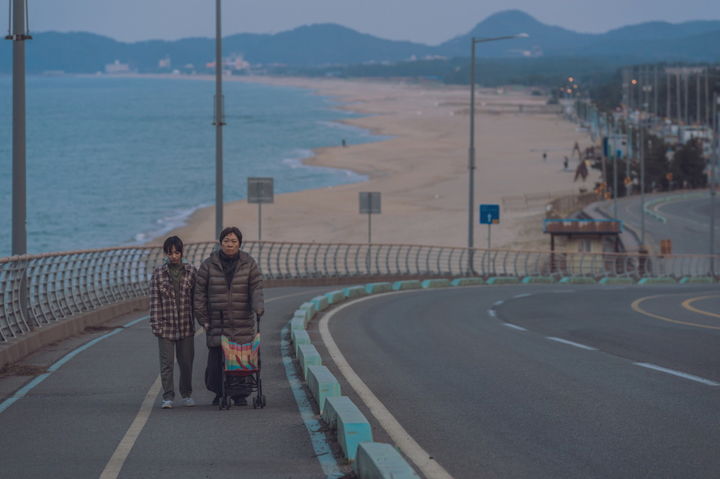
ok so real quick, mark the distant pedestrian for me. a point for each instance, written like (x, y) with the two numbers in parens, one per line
(566, 162)
(544, 155)
(228, 302)
(171, 320)
(344, 143)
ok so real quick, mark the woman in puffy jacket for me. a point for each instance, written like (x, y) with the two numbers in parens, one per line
(228, 301)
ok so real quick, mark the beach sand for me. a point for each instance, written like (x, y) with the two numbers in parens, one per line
(422, 170)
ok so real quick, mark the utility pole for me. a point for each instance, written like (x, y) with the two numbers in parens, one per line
(18, 35)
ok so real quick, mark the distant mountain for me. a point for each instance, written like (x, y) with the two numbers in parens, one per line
(329, 44)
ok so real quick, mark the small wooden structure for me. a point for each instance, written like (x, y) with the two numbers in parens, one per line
(583, 236)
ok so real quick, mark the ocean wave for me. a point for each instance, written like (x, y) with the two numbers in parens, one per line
(166, 224)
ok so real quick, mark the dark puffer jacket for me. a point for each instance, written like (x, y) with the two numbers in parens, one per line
(241, 304)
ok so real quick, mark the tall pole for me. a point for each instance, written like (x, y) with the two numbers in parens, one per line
(641, 151)
(471, 160)
(219, 123)
(19, 168)
(713, 180)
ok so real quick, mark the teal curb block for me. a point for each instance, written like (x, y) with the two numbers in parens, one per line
(320, 302)
(662, 280)
(374, 288)
(435, 283)
(335, 297)
(697, 279)
(467, 281)
(322, 385)
(308, 356)
(309, 307)
(296, 323)
(503, 280)
(577, 280)
(299, 336)
(376, 460)
(617, 281)
(302, 314)
(538, 279)
(408, 284)
(354, 292)
(352, 427)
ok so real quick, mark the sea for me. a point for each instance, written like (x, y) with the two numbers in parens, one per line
(115, 161)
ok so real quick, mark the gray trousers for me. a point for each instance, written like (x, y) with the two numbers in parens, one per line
(185, 349)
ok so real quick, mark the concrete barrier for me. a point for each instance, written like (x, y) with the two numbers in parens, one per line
(577, 280)
(376, 460)
(354, 292)
(322, 385)
(320, 302)
(310, 308)
(467, 281)
(538, 279)
(697, 280)
(407, 284)
(303, 314)
(335, 297)
(612, 281)
(435, 283)
(374, 288)
(661, 280)
(352, 426)
(299, 336)
(503, 280)
(308, 356)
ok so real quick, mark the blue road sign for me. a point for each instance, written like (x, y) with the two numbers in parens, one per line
(489, 214)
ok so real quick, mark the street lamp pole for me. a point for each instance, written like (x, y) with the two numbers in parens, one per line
(471, 149)
(218, 122)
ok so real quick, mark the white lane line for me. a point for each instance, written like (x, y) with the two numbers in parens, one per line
(498, 303)
(515, 326)
(115, 464)
(427, 465)
(571, 343)
(678, 374)
(491, 312)
(523, 295)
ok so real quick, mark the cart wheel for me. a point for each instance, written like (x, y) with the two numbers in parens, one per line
(256, 402)
(262, 401)
(224, 403)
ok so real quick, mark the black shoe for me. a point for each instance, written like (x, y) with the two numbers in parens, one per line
(216, 401)
(240, 401)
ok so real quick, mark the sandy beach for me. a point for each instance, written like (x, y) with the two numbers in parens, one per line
(422, 170)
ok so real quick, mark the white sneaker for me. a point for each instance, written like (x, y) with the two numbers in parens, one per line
(167, 404)
(189, 402)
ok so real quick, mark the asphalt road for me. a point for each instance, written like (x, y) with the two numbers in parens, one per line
(547, 381)
(688, 225)
(70, 424)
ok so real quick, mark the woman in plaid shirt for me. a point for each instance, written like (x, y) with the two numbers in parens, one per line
(171, 319)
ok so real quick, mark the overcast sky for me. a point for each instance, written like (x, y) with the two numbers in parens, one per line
(424, 21)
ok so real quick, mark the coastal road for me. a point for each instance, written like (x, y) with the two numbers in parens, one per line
(688, 222)
(72, 423)
(546, 381)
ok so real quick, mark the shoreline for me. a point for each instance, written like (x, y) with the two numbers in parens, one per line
(420, 167)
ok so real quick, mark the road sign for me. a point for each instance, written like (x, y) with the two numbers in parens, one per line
(489, 214)
(370, 202)
(260, 190)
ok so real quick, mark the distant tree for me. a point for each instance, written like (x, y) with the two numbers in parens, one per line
(688, 165)
(656, 163)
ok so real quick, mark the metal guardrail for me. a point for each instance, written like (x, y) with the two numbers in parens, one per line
(40, 289)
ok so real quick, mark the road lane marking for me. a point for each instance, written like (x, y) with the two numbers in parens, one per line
(122, 451)
(523, 295)
(571, 343)
(429, 467)
(515, 326)
(498, 303)
(115, 464)
(678, 373)
(491, 312)
(687, 304)
(636, 307)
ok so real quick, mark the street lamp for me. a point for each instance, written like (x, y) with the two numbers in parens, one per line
(471, 160)
(218, 123)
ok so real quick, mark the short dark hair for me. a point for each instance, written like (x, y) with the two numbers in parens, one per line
(173, 242)
(231, 229)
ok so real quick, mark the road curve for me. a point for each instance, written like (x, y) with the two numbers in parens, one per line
(547, 381)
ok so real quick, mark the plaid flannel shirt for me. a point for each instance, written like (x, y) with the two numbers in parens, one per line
(170, 319)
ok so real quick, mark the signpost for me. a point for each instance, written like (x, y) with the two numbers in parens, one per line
(369, 204)
(260, 190)
(489, 215)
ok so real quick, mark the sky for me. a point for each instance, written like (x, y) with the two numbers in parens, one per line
(424, 21)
